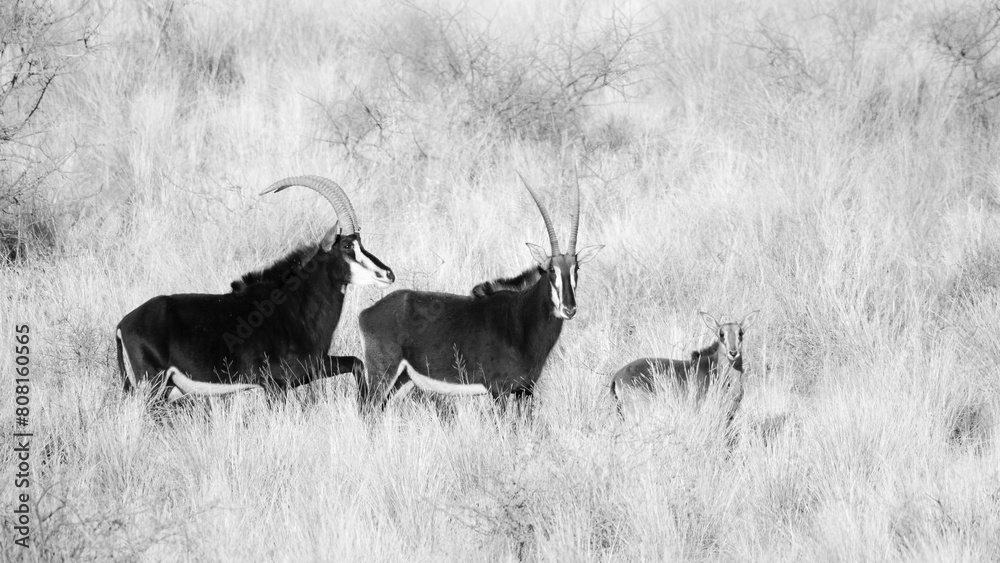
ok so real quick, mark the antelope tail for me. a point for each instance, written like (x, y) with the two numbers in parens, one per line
(614, 397)
(126, 380)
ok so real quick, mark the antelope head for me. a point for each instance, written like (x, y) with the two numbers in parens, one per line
(558, 268)
(729, 335)
(343, 240)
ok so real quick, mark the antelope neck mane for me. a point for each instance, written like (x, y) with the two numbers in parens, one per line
(280, 270)
(708, 351)
(519, 283)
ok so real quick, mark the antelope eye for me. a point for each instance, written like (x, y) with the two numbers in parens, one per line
(722, 335)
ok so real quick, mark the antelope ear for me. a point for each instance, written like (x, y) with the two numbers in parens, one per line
(330, 237)
(588, 254)
(749, 319)
(539, 254)
(710, 321)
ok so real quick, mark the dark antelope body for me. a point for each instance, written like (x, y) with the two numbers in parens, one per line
(272, 331)
(495, 341)
(720, 363)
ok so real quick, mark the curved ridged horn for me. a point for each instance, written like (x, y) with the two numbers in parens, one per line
(545, 217)
(328, 189)
(575, 226)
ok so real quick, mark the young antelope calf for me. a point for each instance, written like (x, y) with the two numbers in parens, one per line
(722, 360)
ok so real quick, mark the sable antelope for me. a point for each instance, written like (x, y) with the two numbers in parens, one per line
(495, 341)
(722, 360)
(273, 330)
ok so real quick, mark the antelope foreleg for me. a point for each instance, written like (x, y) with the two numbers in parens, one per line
(336, 365)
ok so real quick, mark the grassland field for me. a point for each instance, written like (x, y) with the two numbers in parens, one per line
(831, 163)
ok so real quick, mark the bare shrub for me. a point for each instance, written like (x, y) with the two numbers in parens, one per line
(356, 124)
(838, 32)
(967, 38)
(539, 88)
(850, 23)
(784, 59)
(39, 43)
(801, 66)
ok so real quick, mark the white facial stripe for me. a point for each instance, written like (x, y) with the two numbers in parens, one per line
(363, 258)
(361, 275)
(431, 385)
(572, 279)
(189, 386)
(359, 256)
(129, 371)
(557, 291)
(363, 269)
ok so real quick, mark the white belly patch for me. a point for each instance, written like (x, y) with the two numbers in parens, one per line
(431, 385)
(188, 386)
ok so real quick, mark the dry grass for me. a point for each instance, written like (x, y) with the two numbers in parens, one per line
(830, 171)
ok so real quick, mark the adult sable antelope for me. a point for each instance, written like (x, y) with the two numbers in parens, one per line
(720, 361)
(273, 330)
(495, 341)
